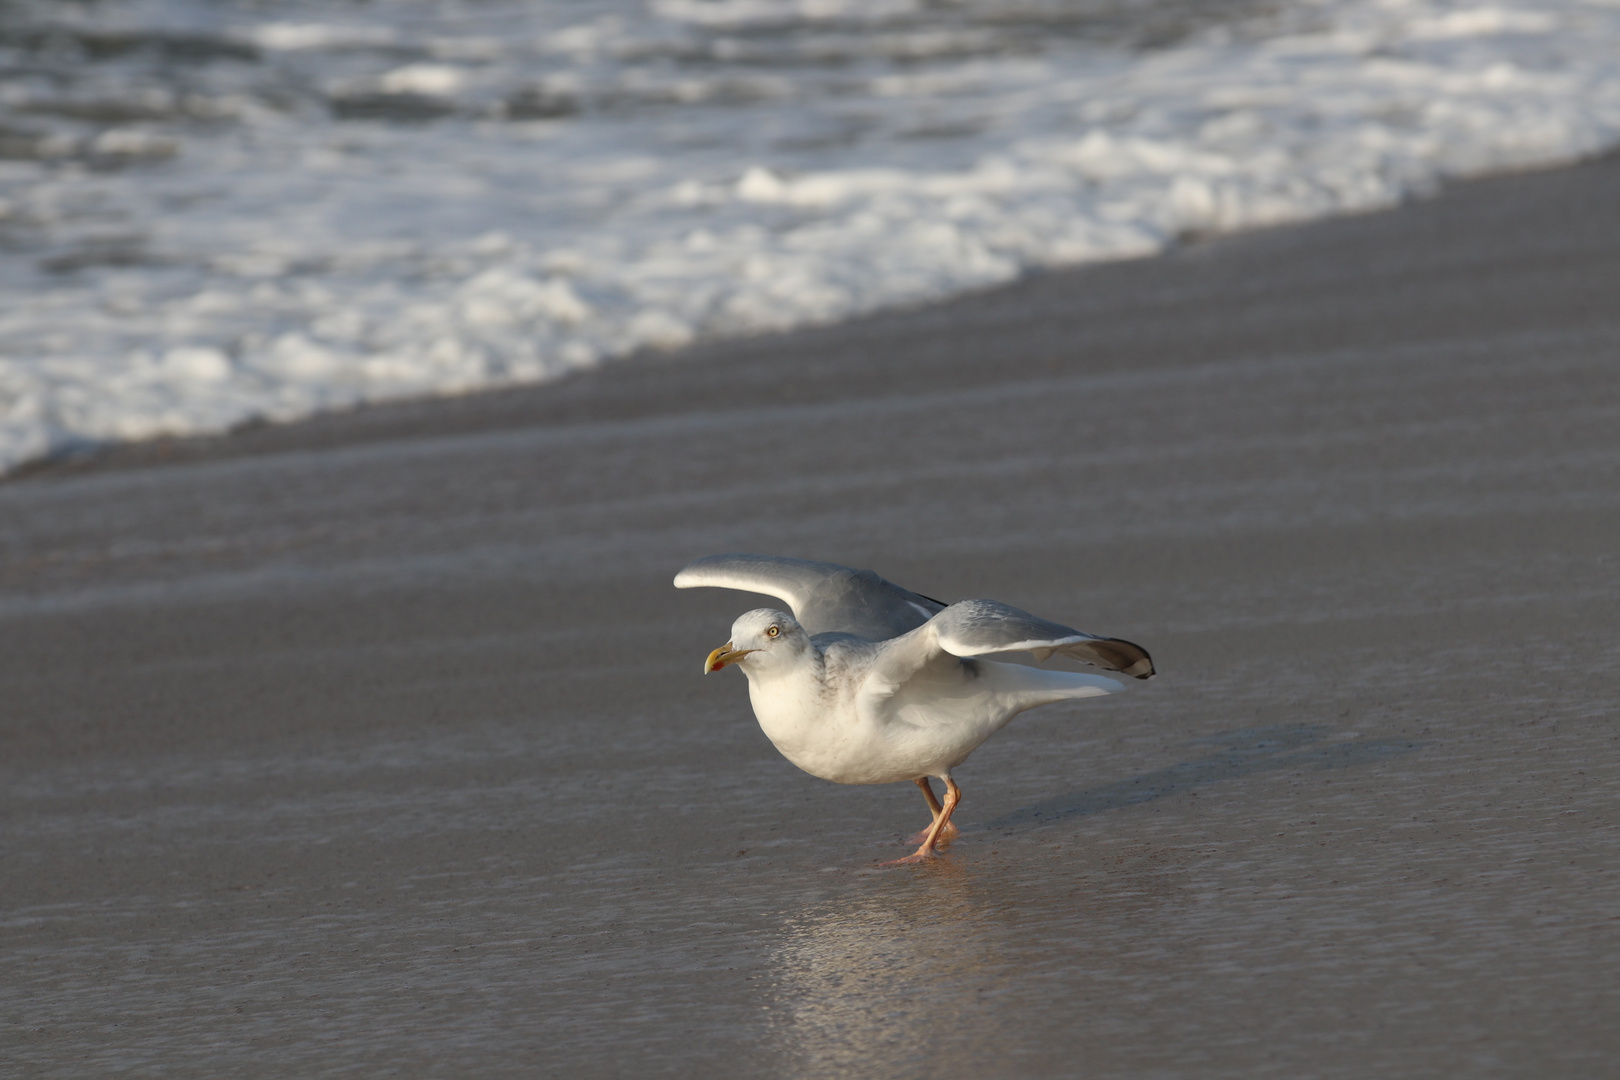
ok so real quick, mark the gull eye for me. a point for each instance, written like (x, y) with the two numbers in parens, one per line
(775, 631)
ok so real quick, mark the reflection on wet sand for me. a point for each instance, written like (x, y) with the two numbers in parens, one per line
(910, 968)
(873, 978)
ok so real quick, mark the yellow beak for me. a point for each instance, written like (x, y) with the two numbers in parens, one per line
(724, 655)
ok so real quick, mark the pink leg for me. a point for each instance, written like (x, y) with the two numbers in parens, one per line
(953, 795)
(950, 830)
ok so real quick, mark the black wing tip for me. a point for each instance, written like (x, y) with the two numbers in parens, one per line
(1133, 669)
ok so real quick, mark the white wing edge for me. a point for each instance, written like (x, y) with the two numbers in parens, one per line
(700, 577)
(1041, 649)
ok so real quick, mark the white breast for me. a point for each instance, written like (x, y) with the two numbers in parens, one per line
(816, 724)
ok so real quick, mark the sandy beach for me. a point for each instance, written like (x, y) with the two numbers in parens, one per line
(378, 745)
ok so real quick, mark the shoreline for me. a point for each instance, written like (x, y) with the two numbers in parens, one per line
(563, 400)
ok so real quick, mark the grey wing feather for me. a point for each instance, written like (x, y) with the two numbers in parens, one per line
(825, 597)
(985, 627)
(918, 675)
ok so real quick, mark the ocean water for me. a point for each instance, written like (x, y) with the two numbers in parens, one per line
(214, 212)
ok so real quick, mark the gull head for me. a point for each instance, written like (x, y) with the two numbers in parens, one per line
(761, 640)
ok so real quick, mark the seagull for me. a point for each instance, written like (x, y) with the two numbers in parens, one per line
(869, 683)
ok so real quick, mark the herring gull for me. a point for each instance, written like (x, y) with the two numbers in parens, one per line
(869, 683)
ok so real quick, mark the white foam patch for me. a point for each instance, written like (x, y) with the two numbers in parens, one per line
(565, 200)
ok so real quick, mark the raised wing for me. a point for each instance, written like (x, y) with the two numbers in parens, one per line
(825, 597)
(928, 676)
(985, 628)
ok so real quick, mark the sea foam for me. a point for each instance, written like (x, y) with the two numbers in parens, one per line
(260, 212)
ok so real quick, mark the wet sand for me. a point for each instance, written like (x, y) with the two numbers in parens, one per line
(378, 744)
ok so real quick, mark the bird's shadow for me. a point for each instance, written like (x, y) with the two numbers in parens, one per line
(1235, 754)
